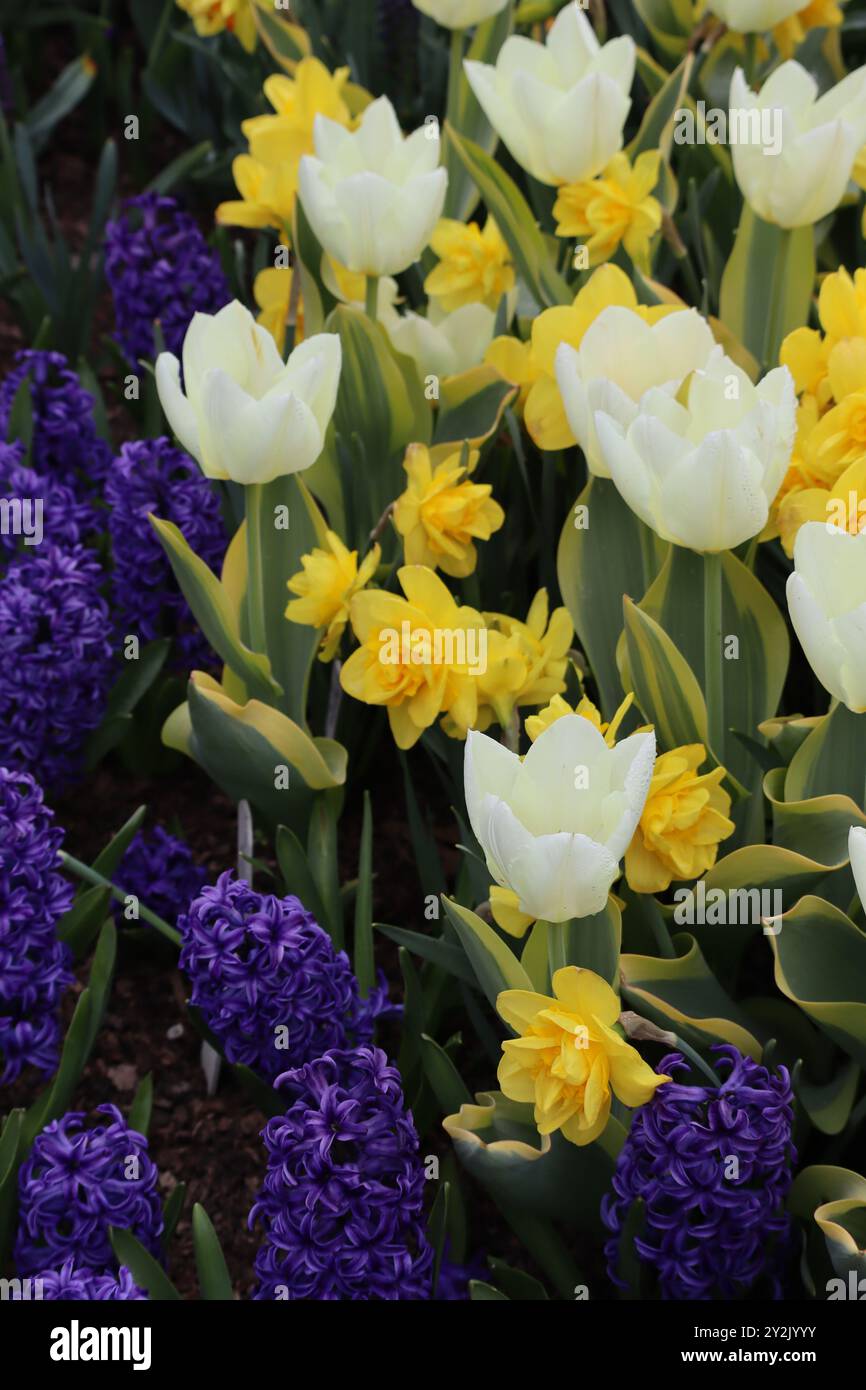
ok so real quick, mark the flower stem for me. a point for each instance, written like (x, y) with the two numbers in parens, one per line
(253, 501)
(372, 297)
(659, 927)
(713, 683)
(83, 871)
(455, 71)
(697, 1061)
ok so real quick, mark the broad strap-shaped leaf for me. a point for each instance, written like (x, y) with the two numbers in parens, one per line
(767, 284)
(495, 965)
(821, 965)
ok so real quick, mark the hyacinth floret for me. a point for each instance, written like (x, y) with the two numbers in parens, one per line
(342, 1199)
(267, 978)
(65, 441)
(713, 1167)
(79, 1179)
(160, 871)
(34, 964)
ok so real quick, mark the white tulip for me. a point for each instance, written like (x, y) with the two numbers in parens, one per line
(857, 855)
(703, 474)
(555, 825)
(373, 197)
(443, 344)
(243, 413)
(560, 106)
(827, 603)
(754, 16)
(619, 359)
(803, 175)
(459, 14)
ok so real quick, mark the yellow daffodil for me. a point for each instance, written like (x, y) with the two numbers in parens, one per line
(326, 586)
(544, 412)
(272, 291)
(569, 1056)
(267, 176)
(617, 207)
(541, 644)
(514, 361)
(421, 656)
(832, 364)
(685, 817)
(537, 723)
(790, 33)
(474, 265)
(212, 16)
(442, 512)
(505, 911)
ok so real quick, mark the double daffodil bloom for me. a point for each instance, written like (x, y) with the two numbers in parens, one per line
(267, 176)
(474, 265)
(568, 1058)
(420, 656)
(326, 585)
(214, 16)
(442, 512)
(616, 208)
(685, 818)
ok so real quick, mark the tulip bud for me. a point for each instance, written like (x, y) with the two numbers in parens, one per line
(373, 197)
(827, 604)
(459, 14)
(560, 106)
(244, 414)
(754, 16)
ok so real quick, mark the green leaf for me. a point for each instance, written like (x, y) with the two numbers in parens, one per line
(471, 406)
(515, 221)
(654, 132)
(495, 965)
(516, 1283)
(445, 1081)
(767, 284)
(431, 948)
(683, 995)
(467, 117)
(172, 1213)
(830, 760)
(599, 562)
(145, 1270)
(816, 828)
(67, 91)
(213, 1276)
(362, 959)
(295, 869)
(591, 943)
(137, 678)
(437, 1232)
(821, 965)
(479, 1292)
(214, 613)
(322, 858)
(79, 926)
(828, 1104)
(107, 862)
(140, 1110)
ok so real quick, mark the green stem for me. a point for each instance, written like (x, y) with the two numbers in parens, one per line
(83, 871)
(659, 927)
(455, 71)
(372, 297)
(253, 501)
(713, 683)
(697, 1061)
(752, 41)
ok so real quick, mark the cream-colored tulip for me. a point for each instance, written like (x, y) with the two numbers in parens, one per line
(754, 16)
(827, 604)
(243, 413)
(459, 14)
(555, 825)
(620, 358)
(443, 344)
(802, 175)
(702, 467)
(857, 855)
(560, 106)
(373, 197)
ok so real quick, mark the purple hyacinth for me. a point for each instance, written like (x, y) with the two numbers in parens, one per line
(50, 510)
(267, 979)
(65, 442)
(161, 872)
(34, 965)
(153, 477)
(80, 1179)
(710, 1222)
(159, 267)
(341, 1204)
(55, 673)
(73, 1284)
